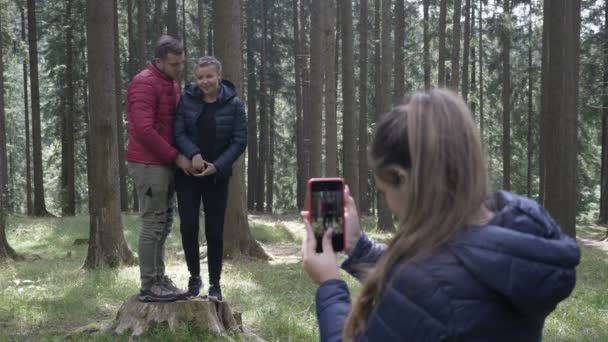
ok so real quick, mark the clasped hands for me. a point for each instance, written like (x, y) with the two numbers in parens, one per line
(198, 167)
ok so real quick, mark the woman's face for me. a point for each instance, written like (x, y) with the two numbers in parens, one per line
(395, 196)
(208, 79)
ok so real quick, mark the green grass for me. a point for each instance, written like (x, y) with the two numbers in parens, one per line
(47, 297)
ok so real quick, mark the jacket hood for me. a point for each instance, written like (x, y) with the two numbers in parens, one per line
(227, 91)
(521, 254)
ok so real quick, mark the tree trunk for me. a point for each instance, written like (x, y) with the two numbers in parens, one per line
(39, 202)
(141, 27)
(315, 119)
(603, 219)
(559, 103)
(6, 251)
(139, 318)
(133, 59)
(303, 135)
(68, 187)
(158, 18)
(26, 110)
(474, 100)
(172, 18)
(531, 104)
(442, 26)
(399, 87)
(264, 141)
(201, 27)
(455, 79)
(481, 52)
(122, 167)
(107, 245)
(466, 50)
(349, 115)
(363, 198)
(385, 218)
(301, 182)
(271, 154)
(506, 96)
(427, 46)
(252, 129)
(237, 236)
(329, 15)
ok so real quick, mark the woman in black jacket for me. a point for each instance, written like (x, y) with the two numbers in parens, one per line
(210, 128)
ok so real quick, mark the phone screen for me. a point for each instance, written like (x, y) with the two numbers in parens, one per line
(327, 211)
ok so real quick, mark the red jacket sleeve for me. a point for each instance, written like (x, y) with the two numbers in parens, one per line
(142, 109)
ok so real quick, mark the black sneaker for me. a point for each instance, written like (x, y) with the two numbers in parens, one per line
(157, 293)
(215, 292)
(194, 286)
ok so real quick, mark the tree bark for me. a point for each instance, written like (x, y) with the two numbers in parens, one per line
(303, 135)
(301, 182)
(481, 53)
(187, 76)
(158, 18)
(329, 15)
(270, 53)
(315, 120)
(172, 18)
(559, 107)
(133, 59)
(107, 245)
(6, 251)
(26, 110)
(39, 201)
(68, 180)
(363, 198)
(474, 100)
(201, 26)
(264, 141)
(455, 79)
(399, 85)
(140, 318)
(122, 167)
(427, 46)
(531, 105)
(385, 218)
(506, 95)
(466, 50)
(252, 129)
(349, 130)
(143, 39)
(442, 26)
(237, 236)
(603, 219)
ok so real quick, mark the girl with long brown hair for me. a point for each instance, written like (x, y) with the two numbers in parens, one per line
(462, 265)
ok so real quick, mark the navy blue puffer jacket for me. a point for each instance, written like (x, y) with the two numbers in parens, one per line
(230, 121)
(496, 282)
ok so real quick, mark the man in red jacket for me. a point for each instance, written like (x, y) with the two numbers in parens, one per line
(152, 99)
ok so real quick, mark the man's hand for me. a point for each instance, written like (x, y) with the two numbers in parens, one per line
(208, 170)
(198, 163)
(185, 164)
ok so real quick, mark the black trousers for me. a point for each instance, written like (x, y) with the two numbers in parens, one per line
(214, 193)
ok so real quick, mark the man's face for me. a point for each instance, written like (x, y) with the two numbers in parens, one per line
(172, 65)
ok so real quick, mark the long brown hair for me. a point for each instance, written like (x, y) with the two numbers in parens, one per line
(433, 138)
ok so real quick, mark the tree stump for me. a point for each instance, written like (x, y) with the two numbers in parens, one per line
(200, 313)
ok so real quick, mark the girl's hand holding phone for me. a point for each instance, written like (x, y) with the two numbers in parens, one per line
(321, 267)
(352, 224)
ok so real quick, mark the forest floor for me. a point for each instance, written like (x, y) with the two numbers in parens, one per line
(50, 295)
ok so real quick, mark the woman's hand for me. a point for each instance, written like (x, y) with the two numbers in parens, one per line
(321, 267)
(352, 224)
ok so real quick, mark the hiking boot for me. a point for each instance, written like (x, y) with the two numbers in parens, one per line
(194, 285)
(158, 293)
(215, 292)
(167, 283)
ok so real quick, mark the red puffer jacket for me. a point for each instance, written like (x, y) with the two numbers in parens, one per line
(151, 101)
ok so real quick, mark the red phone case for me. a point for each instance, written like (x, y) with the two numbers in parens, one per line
(309, 200)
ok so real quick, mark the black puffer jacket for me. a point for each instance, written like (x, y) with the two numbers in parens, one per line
(230, 121)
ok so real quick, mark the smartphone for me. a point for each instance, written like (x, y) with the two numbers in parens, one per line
(326, 210)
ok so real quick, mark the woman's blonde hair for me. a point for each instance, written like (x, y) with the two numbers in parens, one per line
(433, 138)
